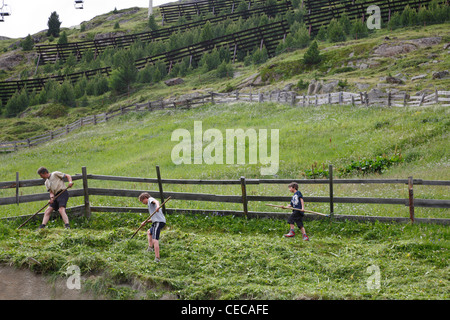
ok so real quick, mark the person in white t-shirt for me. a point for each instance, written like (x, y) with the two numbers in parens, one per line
(158, 223)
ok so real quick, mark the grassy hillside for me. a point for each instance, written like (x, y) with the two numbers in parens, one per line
(355, 65)
(228, 257)
(134, 144)
(210, 257)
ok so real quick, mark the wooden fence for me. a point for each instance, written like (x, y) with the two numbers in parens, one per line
(243, 198)
(54, 52)
(172, 12)
(288, 97)
(268, 35)
(321, 12)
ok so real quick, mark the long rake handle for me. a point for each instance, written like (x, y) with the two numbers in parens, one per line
(309, 211)
(146, 220)
(41, 208)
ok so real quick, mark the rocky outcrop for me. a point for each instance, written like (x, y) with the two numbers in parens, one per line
(390, 49)
(174, 81)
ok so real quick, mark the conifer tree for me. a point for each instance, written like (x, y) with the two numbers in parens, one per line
(312, 55)
(53, 25)
(27, 44)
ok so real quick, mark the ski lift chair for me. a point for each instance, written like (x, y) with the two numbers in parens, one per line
(78, 4)
(5, 11)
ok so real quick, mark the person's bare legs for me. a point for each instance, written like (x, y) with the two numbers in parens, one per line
(47, 215)
(150, 239)
(156, 246)
(62, 212)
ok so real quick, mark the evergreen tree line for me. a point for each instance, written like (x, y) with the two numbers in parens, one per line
(125, 74)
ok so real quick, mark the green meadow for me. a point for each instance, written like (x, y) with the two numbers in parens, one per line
(310, 137)
(230, 257)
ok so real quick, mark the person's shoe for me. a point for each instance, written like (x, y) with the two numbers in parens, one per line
(42, 226)
(290, 234)
(157, 260)
(305, 237)
(67, 226)
(150, 249)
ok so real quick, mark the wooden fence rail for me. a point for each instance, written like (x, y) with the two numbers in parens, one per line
(268, 35)
(172, 12)
(289, 97)
(321, 12)
(242, 198)
(53, 52)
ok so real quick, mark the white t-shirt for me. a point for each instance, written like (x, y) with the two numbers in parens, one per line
(158, 216)
(55, 182)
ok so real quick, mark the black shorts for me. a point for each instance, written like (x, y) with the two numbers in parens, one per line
(155, 229)
(296, 218)
(61, 201)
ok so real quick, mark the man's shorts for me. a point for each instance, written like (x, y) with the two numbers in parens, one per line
(155, 229)
(296, 218)
(61, 201)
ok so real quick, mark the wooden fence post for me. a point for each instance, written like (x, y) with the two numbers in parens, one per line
(330, 177)
(17, 188)
(161, 193)
(293, 98)
(244, 196)
(411, 199)
(87, 206)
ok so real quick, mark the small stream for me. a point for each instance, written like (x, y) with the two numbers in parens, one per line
(20, 284)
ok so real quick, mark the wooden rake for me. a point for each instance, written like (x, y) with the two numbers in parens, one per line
(42, 208)
(309, 211)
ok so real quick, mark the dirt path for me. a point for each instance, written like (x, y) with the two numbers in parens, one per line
(17, 284)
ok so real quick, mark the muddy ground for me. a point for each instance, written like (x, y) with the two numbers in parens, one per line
(20, 284)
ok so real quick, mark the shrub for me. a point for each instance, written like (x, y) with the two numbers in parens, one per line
(225, 70)
(312, 55)
(260, 55)
(125, 71)
(359, 29)
(335, 31)
(302, 85)
(63, 38)
(378, 165)
(17, 103)
(145, 75)
(27, 44)
(210, 61)
(322, 33)
(65, 94)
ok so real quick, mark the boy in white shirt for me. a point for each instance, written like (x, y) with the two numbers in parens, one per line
(158, 222)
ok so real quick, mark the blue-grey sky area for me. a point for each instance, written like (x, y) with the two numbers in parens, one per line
(31, 16)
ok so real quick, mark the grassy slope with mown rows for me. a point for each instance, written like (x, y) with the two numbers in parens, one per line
(218, 257)
(134, 144)
(213, 257)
